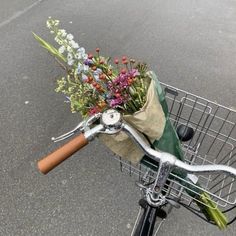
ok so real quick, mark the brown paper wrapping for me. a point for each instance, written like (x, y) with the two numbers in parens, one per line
(150, 119)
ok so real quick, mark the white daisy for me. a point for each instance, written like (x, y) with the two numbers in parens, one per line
(69, 57)
(70, 62)
(48, 24)
(78, 56)
(59, 42)
(85, 56)
(62, 32)
(62, 49)
(69, 36)
(86, 68)
(57, 22)
(56, 39)
(69, 49)
(75, 45)
(81, 50)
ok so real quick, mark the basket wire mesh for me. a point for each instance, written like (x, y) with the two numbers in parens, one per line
(213, 142)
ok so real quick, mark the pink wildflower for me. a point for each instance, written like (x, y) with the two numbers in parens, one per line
(94, 110)
(116, 101)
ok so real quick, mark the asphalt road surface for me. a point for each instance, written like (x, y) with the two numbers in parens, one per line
(191, 44)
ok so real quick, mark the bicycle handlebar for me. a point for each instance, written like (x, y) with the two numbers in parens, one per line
(55, 158)
(114, 126)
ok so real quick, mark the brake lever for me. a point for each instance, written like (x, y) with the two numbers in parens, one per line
(82, 126)
(68, 134)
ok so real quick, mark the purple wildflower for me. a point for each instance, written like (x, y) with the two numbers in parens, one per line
(115, 102)
(122, 79)
(118, 88)
(133, 73)
(88, 62)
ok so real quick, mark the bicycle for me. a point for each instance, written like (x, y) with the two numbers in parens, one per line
(208, 135)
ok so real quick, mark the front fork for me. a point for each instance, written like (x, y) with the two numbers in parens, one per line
(146, 224)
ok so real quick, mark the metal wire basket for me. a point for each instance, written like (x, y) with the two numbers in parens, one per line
(214, 142)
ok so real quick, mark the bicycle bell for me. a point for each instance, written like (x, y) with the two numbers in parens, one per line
(112, 120)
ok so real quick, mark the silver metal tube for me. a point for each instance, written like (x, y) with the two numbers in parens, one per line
(156, 155)
(166, 157)
(205, 168)
(91, 133)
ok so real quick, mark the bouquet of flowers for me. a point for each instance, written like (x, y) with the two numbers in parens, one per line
(93, 85)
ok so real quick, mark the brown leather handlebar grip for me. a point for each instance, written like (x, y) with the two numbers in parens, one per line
(61, 154)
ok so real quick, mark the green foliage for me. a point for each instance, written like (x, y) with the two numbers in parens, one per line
(52, 50)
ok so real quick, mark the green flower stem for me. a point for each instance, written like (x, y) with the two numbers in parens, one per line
(132, 107)
(135, 106)
(140, 99)
(52, 50)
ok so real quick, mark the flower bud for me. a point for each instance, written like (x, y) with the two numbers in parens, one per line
(123, 71)
(132, 60)
(124, 58)
(90, 56)
(102, 76)
(116, 61)
(98, 86)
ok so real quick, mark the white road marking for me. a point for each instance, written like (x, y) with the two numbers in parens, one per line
(19, 13)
